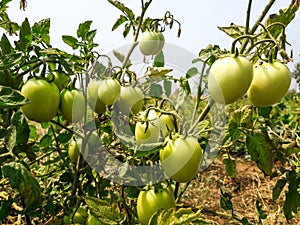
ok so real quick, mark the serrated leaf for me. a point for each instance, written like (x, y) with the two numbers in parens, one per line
(292, 198)
(233, 30)
(10, 98)
(105, 212)
(9, 60)
(71, 41)
(83, 28)
(128, 12)
(25, 36)
(119, 22)
(41, 30)
(260, 151)
(21, 179)
(157, 71)
(277, 189)
(5, 45)
(191, 72)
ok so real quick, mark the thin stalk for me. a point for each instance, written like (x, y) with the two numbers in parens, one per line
(248, 16)
(201, 117)
(259, 20)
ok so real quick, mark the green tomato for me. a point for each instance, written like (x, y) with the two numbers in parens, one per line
(181, 158)
(74, 150)
(151, 43)
(93, 97)
(168, 122)
(92, 220)
(149, 202)
(108, 91)
(79, 217)
(44, 100)
(61, 80)
(229, 79)
(72, 105)
(131, 99)
(270, 83)
(146, 132)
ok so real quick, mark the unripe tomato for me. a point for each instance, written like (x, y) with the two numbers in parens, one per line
(229, 79)
(74, 150)
(93, 97)
(131, 99)
(78, 218)
(61, 80)
(151, 42)
(92, 220)
(108, 91)
(44, 100)
(270, 83)
(180, 158)
(169, 122)
(146, 132)
(72, 105)
(149, 202)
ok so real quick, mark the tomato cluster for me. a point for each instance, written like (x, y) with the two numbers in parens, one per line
(232, 77)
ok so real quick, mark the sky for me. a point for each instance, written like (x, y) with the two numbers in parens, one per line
(199, 20)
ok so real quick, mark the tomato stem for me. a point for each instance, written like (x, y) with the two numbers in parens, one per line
(246, 36)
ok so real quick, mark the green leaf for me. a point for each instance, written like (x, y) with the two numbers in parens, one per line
(260, 150)
(21, 179)
(126, 29)
(90, 35)
(105, 212)
(5, 45)
(225, 199)
(159, 60)
(41, 31)
(155, 90)
(183, 216)
(10, 98)
(9, 60)
(119, 22)
(191, 72)
(157, 72)
(71, 41)
(127, 12)
(292, 198)
(5, 208)
(259, 210)
(83, 28)
(277, 189)
(265, 111)
(22, 128)
(64, 137)
(230, 165)
(233, 30)
(121, 57)
(168, 87)
(46, 140)
(25, 36)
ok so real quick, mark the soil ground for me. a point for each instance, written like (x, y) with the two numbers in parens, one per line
(249, 185)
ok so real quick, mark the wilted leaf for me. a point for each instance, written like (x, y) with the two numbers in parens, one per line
(233, 30)
(157, 71)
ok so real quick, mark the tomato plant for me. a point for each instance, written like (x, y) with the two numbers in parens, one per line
(72, 105)
(268, 77)
(149, 201)
(151, 42)
(44, 100)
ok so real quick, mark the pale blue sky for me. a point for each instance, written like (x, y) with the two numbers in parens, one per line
(199, 19)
